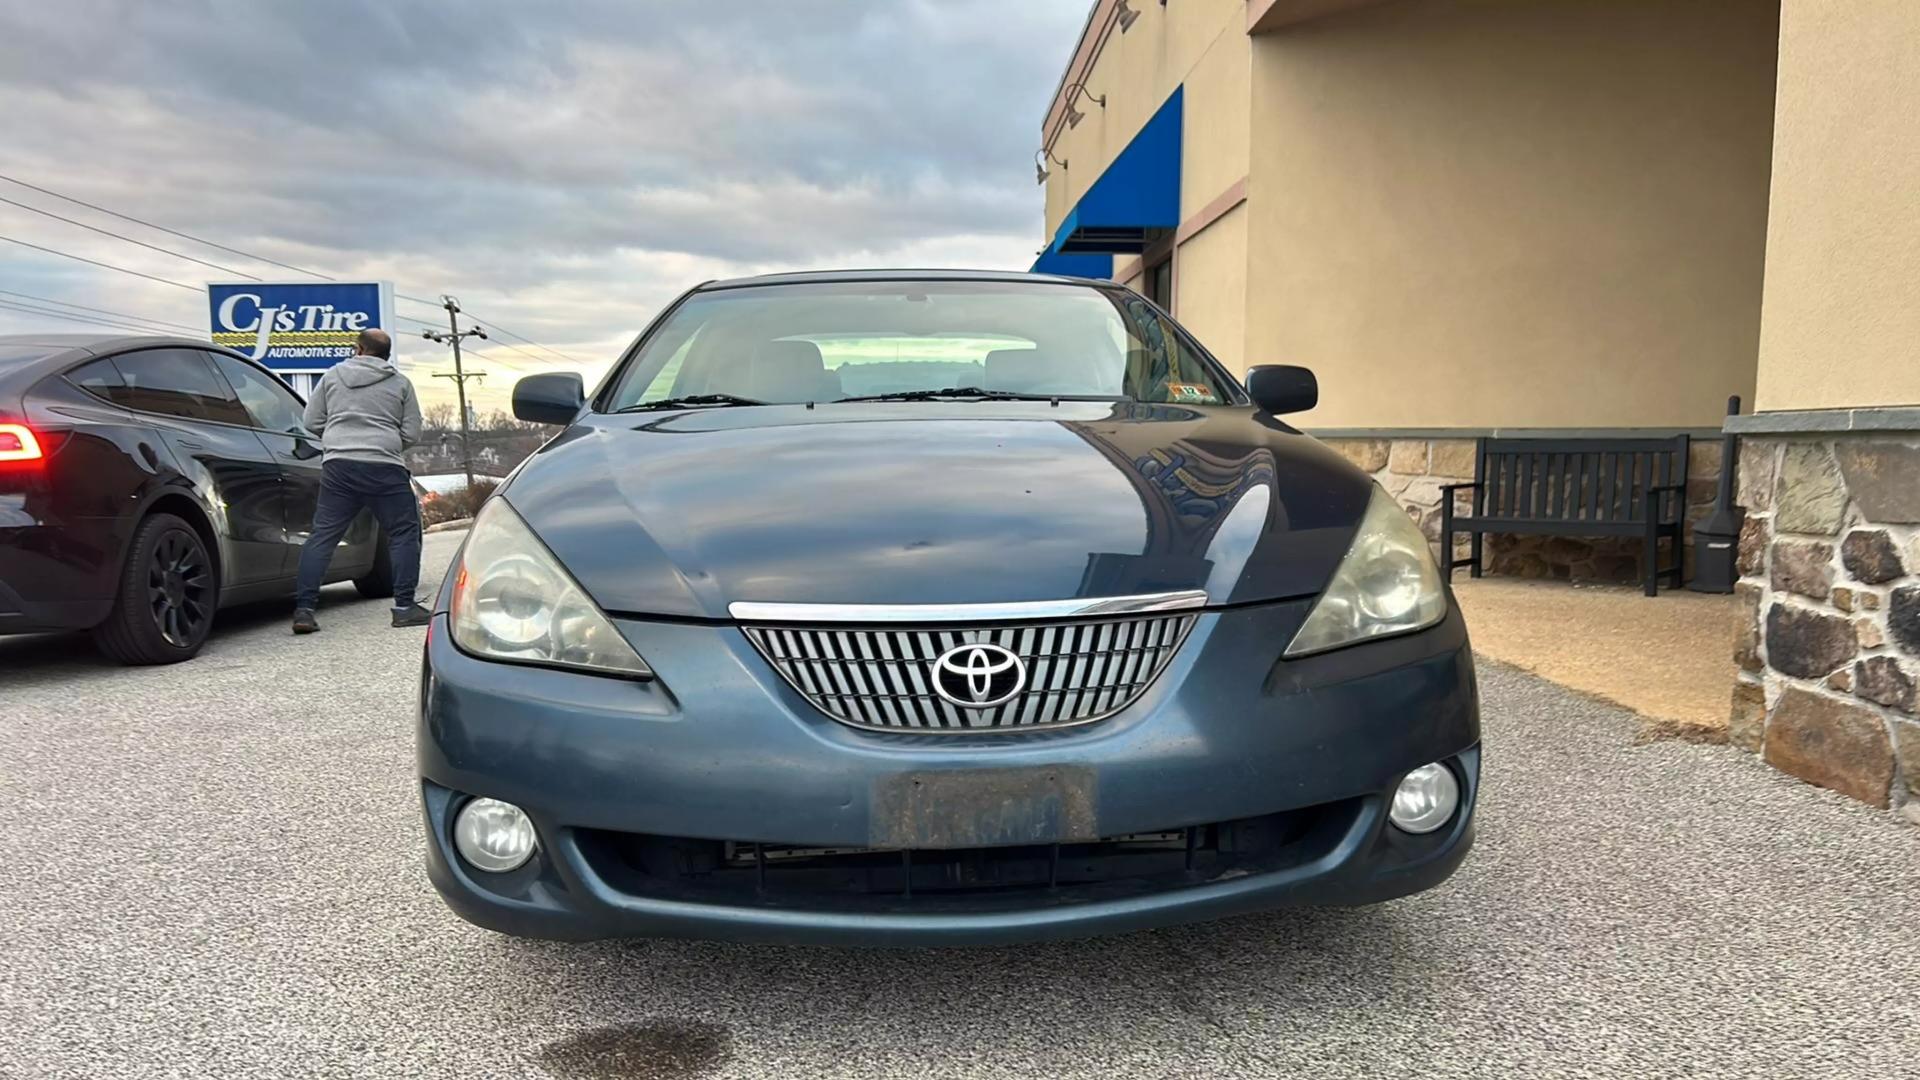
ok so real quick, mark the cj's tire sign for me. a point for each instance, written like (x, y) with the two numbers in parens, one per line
(297, 326)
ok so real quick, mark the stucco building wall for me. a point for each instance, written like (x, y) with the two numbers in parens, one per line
(1841, 321)
(1216, 148)
(1518, 214)
(1210, 287)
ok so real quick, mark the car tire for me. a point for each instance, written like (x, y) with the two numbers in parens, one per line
(168, 593)
(377, 582)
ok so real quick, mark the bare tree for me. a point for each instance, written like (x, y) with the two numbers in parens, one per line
(502, 421)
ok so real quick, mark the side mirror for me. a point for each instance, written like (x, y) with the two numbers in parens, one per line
(549, 399)
(1282, 388)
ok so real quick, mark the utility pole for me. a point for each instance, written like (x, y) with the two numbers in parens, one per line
(459, 375)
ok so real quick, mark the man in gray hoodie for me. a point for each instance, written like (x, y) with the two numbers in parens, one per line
(366, 415)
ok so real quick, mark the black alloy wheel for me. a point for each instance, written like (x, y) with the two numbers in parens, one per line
(169, 590)
(180, 589)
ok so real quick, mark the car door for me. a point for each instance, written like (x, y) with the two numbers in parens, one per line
(202, 421)
(276, 416)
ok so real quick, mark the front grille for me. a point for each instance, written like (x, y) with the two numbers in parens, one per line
(883, 677)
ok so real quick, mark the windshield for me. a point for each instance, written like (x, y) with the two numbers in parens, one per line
(836, 340)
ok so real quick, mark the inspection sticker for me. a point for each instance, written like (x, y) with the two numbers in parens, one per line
(1190, 394)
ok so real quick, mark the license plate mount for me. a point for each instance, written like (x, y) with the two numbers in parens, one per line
(964, 808)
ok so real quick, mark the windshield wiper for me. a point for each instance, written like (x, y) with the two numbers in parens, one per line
(690, 400)
(951, 392)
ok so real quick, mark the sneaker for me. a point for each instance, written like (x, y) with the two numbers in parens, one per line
(303, 621)
(412, 615)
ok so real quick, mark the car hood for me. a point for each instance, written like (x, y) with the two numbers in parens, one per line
(682, 513)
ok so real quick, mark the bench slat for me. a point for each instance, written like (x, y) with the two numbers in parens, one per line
(1557, 494)
(1514, 486)
(1590, 483)
(1537, 486)
(1606, 466)
(1643, 473)
(1544, 500)
(1527, 486)
(1543, 485)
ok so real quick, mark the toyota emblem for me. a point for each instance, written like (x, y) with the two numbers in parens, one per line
(978, 675)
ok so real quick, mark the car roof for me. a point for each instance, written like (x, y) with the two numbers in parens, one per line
(59, 350)
(814, 277)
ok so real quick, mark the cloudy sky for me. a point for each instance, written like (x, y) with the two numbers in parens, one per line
(563, 168)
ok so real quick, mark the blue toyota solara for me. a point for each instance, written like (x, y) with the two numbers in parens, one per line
(928, 607)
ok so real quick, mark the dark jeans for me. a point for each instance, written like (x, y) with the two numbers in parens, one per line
(345, 487)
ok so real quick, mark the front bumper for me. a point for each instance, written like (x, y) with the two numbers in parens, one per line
(720, 749)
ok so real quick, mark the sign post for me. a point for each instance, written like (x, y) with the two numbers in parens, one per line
(299, 329)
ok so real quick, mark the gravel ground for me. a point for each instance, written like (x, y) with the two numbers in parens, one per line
(216, 870)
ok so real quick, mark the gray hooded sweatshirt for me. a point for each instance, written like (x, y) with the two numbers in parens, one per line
(364, 410)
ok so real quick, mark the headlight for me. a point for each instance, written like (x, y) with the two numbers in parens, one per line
(1386, 584)
(512, 600)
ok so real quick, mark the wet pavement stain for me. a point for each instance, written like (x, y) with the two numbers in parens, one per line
(647, 1050)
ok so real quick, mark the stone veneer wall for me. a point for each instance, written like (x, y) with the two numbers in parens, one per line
(1413, 470)
(1828, 635)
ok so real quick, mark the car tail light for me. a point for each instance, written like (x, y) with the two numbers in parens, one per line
(18, 443)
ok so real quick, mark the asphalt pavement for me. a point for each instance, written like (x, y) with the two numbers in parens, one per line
(216, 870)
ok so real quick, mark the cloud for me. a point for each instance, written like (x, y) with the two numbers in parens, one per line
(565, 169)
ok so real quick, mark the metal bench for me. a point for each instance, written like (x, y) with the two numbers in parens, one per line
(1574, 487)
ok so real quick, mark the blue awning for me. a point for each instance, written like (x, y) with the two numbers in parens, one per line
(1090, 266)
(1137, 196)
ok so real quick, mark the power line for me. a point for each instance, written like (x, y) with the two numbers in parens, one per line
(497, 328)
(515, 371)
(492, 325)
(226, 269)
(101, 311)
(107, 266)
(540, 360)
(164, 229)
(149, 277)
(116, 320)
(8, 305)
(128, 239)
(75, 316)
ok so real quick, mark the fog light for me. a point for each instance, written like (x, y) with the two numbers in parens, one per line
(493, 835)
(1426, 799)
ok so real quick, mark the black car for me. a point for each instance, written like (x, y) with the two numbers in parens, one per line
(936, 608)
(147, 482)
